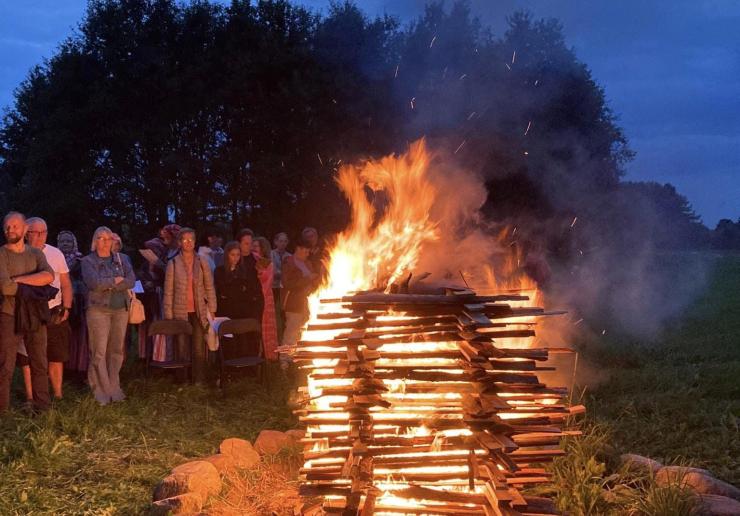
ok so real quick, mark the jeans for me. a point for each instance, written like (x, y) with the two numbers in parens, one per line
(36, 347)
(106, 334)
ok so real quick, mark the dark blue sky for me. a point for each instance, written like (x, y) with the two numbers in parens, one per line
(671, 71)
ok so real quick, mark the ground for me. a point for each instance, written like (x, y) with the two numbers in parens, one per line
(673, 397)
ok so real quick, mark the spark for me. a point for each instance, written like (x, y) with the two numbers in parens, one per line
(433, 39)
(574, 221)
(460, 146)
(396, 74)
(579, 321)
(603, 332)
(536, 82)
(513, 232)
(471, 115)
(513, 57)
(580, 251)
(412, 102)
(526, 153)
(529, 126)
(463, 76)
(444, 73)
(319, 156)
(507, 66)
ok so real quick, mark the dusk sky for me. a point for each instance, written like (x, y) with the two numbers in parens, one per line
(670, 69)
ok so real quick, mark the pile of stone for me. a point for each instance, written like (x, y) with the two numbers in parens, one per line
(188, 486)
(716, 498)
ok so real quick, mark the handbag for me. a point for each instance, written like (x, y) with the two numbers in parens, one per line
(136, 314)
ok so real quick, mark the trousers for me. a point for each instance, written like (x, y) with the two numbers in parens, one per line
(36, 347)
(106, 330)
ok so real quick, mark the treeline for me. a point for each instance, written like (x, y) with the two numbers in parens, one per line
(156, 110)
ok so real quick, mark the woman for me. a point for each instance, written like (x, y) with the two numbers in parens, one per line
(79, 350)
(189, 296)
(236, 300)
(107, 277)
(299, 280)
(263, 256)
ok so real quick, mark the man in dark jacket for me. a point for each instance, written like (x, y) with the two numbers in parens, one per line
(21, 264)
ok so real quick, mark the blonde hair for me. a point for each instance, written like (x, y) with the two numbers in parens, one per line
(96, 234)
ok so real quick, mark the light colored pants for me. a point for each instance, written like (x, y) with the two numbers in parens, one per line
(106, 330)
(294, 322)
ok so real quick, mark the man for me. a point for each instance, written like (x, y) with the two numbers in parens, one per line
(215, 243)
(21, 264)
(316, 252)
(58, 329)
(279, 253)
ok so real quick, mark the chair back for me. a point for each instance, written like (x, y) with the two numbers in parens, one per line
(170, 327)
(239, 326)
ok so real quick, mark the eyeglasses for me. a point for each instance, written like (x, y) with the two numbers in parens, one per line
(188, 240)
(104, 239)
(37, 232)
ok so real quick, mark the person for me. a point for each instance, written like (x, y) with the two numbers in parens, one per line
(316, 251)
(237, 299)
(263, 256)
(107, 277)
(299, 280)
(21, 265)
(58, 329)
(213, 251)
(278, 254)
(165, 247)
(189, 296)
(79, 349)
(117, 243)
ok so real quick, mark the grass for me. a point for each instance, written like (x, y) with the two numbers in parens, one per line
(678, 396)
(80, 458)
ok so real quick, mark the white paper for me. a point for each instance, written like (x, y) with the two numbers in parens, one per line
(138, 287)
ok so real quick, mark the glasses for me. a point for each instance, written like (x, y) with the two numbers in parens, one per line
(37, 232)
(188, 240)
(104, 239)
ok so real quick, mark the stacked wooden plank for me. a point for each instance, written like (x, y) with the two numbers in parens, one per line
(416, 404)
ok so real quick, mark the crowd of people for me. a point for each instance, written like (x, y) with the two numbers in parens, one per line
(65, 310)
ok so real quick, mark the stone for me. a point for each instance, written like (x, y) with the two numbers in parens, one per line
(241, 451)
(296, 435)
(222, 462)
(715, 505)
(639, 462)
(270, 442)
(197, 476)
(700, 480)
(187, 503)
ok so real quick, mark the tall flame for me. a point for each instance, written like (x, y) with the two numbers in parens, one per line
(379, 248)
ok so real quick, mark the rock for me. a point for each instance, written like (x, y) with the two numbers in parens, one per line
(700, 480)
(241, 451)
(270, 442)
(222, 462)
(180, 504)
(199, 477)
(296, 435)
(639, 462)
(715, 505)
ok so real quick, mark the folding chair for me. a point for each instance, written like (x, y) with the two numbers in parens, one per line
(239, 327)
(179, 330)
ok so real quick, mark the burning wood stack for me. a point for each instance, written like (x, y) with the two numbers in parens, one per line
(427, 404)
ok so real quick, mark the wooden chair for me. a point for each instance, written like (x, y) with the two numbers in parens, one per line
(239, 327)
(179, 330)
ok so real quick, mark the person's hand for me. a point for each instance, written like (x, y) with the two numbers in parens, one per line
(118, 279)
(65, 315)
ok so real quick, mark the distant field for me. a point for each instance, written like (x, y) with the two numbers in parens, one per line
(678, 396)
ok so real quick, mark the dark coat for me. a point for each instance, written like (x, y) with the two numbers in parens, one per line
(32, 307)
(237, 296)
(296, 286)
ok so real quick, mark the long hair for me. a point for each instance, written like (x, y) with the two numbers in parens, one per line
(264, 246)
(96, 234)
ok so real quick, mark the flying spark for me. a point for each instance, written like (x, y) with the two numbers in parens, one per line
(460, 146)
(412, 102)
(529, 125)
(319, 156)
(574, 221)
(396, 74)
(513, 57)
(471, 115)
(507, 66)
(579, 321)
(463, 76)
(433, 39)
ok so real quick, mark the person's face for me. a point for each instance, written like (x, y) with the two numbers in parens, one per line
(117, 245)
(104, 243)
(36, 235)
(14, 229)
(233, 257)
(311, 236)
(256, 248)
(245, 245)
(215, 241)
(281, 243)
(187, 242)
(66, 243)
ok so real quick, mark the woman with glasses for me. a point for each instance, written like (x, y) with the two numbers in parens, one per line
(189, 296)
(107, 277)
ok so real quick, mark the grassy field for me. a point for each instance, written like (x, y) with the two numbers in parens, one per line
(81, 458)
(671, 398)
(677, 397)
